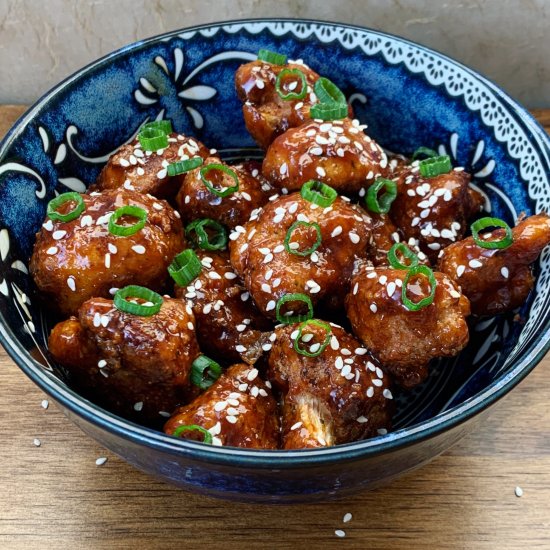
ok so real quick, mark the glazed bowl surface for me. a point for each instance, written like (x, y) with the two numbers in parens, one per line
(408, 96)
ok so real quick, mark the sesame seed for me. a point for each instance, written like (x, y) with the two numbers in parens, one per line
(455, 294)
(382, 431)
(214, 275)
(361, 419)
(474, 264)
(347, 517)
(334, 344)
(354, 238)
(100, 461)
(505, 272)
(45, 403)
(336, 231)
(370, 391)
(373, 308)
(391, 289)
(52, 250)
(387, 394)
(220, 406)
(107, 260)
(320, 171)
(138, 249)
(339, 533)
(339, 363)
(232, 411)
(460, 270)
(355, 288)
(243, 248)
(518, 491)
(266, 347)
(245, 296)
(252, 375)
(57, 235)
(377, 382)
(283, 169)
(316, 151)
(296, 426)
(383, 279)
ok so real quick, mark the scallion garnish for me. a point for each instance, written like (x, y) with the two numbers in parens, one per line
(164, 125)
(318, 192)
(207, 436)
(127, 230)
(298, 318)
(185, 267)
(381, 203)
(322, 347)
(224, 191)
(272, 57)
(415, 272)
(327, 92)
(133, 291)
(484, 223)
(183, 166)
(312, 248)
(204, 372)
(424, 152)
(196, 232)
(153, 139)
(288, 95)
(62, 199)
(435, 166)
(329, 111)
(407, 254)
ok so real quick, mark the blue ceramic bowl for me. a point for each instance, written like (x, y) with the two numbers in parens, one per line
(409, 96)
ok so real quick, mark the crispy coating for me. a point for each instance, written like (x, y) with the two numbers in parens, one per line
(405, 341)
(342, 395)
(77, 260)
(229, 327)
(195, 200)
(266, 114)
(145, 171)
(269, 271)
(337, 153)
(434, 211)
(133, 365)
(238, 410)
(497, 280)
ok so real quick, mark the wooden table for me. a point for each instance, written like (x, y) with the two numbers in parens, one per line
(55, 496)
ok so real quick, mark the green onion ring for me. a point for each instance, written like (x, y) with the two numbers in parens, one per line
(62, 199)
(163, 125)
(483, 223)
(127, 230)
(327, 92)
(424, 151)
(204, 372)
(299, 318)
(435, 166)
(381, 204)
(272, 57)
(194, 428)
(318, 192)
(291, 95)
(134, 291)
(202, 240)
(313, 247)
(183, 166)
(226, 170)
(185, 267)
(413, 272)
(153, 139)
(394, 261)
(329, 111)
(323, 346)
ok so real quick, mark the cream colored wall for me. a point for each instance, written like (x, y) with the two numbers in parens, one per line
(42, 41)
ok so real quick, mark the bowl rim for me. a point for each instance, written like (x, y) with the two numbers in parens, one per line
(259, 458)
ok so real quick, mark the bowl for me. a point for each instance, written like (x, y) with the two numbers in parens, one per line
(409, 96)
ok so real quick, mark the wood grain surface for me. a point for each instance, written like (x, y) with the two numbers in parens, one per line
(55, 496)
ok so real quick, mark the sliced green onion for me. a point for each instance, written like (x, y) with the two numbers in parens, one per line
(413, 272)
(483, 223)
(322, 347)
(435, 166)
(164, 125)
(313, 247)
(224, 192)
(185, 267)
(319, 193)
(183, 166)
(207, 436)
(329, 111)
(272, 57)
(153, 139)
(204, 372)
(289, 319)
(406, 252)
(291, 94)
(62, 199)
(196, 231)
(424, 152)
(127, 230)
(133, 291)
(327, 92)
(381, 203)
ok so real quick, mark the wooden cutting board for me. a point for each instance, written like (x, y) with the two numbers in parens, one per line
(55, 496)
